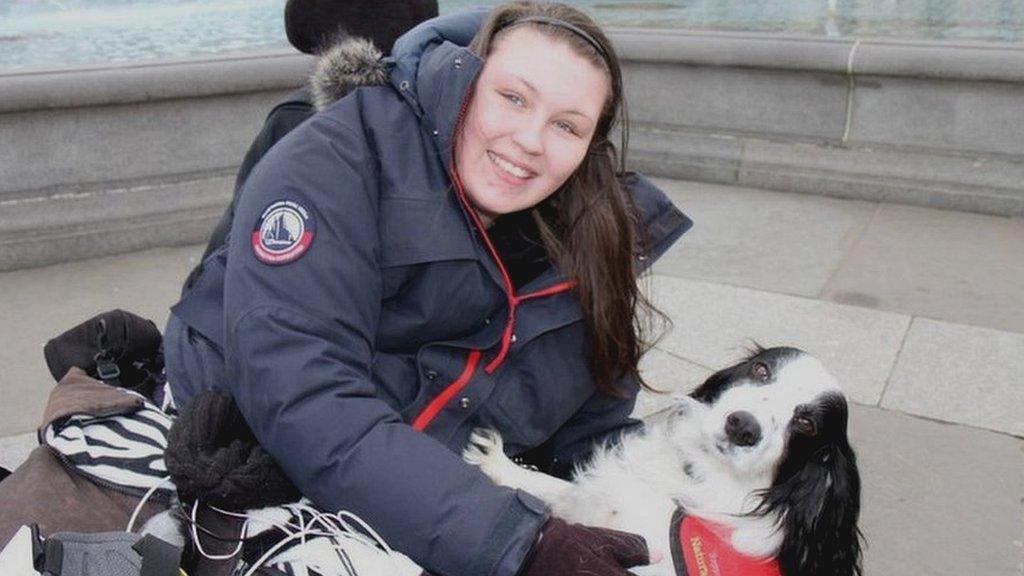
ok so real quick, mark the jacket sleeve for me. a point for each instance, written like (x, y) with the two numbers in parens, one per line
(299, 348)
(281, 120)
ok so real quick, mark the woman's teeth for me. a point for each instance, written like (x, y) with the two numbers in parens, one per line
(509, 167)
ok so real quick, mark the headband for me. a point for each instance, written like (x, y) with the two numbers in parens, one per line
(563, 25)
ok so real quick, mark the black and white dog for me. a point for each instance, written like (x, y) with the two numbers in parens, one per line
(759, 447)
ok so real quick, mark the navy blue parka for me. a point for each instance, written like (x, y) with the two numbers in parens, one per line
(363, 364)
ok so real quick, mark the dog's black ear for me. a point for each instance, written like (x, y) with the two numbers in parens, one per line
(816, 495)
(719, 382)
(819, 504)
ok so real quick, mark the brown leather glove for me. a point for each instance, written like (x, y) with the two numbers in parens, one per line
(575, 550)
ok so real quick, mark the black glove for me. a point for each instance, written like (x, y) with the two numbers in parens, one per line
(573, 549)
(213, 456)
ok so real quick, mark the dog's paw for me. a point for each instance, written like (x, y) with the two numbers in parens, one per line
(484, 444)
(486, 451)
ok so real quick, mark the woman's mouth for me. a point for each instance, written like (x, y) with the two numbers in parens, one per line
(510, 170)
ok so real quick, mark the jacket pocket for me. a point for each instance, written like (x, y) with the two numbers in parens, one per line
(541, 387)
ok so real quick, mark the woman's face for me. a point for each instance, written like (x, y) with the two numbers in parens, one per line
(529, 123)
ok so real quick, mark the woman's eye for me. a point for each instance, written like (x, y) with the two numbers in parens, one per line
(761, 371)
(566, 127)
(805, 425)
(513, 98)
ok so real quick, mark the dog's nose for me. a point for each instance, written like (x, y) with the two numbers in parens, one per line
(742, 428)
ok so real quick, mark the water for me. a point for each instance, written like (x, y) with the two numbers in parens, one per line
(991, 20)
(58, 33)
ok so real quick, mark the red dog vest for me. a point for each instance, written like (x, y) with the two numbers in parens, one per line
(702, 548)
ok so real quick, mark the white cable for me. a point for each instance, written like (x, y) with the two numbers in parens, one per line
(199, 545)
(138, 507)
(317, 524)
(287, 528)
(366, 527)
(273, 550)
(317, 517)
(303, 529)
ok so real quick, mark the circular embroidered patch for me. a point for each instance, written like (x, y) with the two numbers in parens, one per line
(283, 233)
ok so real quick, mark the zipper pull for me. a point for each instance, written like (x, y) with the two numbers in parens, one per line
(106, 369)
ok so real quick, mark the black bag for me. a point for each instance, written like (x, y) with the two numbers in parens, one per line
(116, 347)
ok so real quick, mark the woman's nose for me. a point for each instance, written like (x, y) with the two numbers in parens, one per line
(530, 137)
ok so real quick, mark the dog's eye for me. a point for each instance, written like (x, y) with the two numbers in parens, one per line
(804, 425)
(761, 371)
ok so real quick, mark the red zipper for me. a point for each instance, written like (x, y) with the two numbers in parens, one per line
(513, 304)
(437, 404)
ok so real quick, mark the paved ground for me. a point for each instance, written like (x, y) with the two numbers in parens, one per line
(919, 312)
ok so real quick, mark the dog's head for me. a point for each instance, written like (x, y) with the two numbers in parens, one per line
(780, 413)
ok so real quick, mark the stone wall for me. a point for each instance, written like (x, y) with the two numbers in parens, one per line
(935, 124)
(115, 159)
(108, 160)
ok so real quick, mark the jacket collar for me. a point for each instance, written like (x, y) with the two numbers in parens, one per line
(444, 81)
(433, 71)
(350, 62)
(430, 68)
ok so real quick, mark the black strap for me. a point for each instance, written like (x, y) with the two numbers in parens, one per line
(675, 542)
(159, 558)
(106, 366)
(54, 558)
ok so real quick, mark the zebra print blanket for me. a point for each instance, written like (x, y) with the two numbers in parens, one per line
(124, 452)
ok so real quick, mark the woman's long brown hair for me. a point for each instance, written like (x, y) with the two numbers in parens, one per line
(590, 226)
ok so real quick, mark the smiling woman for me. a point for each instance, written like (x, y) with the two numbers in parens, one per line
(456, 248)
(529, 122)
(538, 122)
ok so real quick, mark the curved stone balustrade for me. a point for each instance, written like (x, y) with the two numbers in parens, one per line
(105, 160)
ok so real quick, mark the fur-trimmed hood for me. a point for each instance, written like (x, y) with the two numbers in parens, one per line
(350, 62)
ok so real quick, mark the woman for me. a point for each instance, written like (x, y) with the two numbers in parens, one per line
(450, 250)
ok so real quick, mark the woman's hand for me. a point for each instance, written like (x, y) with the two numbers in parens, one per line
(575, 550)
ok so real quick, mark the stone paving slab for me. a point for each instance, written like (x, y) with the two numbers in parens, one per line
(40, 303)
(715, 324)
(962, 374)
(938, 499)
(669, 375)
(760, 239)
(956, 266)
